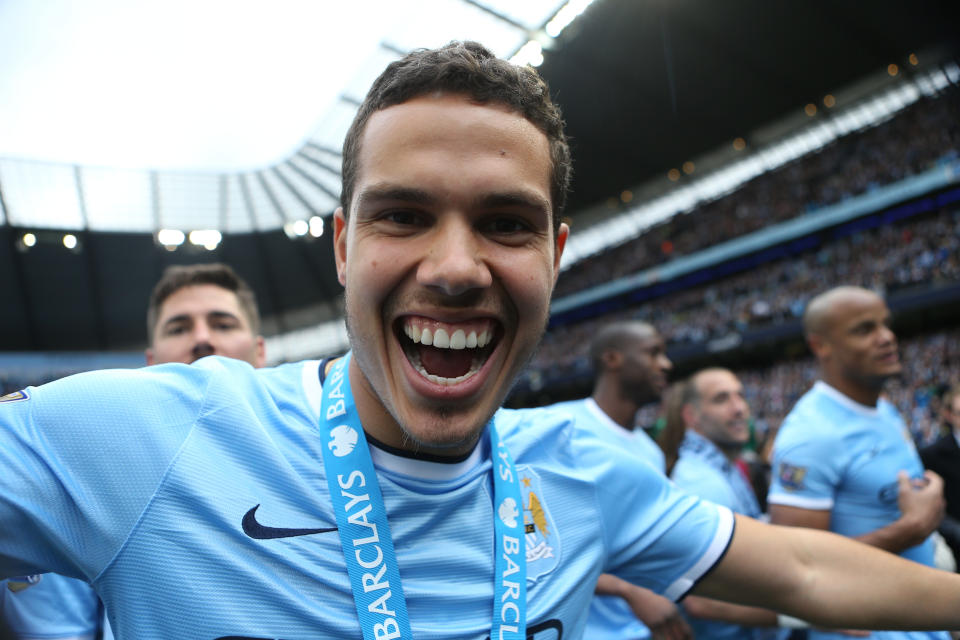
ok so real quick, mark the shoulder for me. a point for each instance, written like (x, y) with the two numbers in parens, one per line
(556, 436)
(813, 417)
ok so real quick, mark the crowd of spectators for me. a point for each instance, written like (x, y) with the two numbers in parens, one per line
(931, 364)
(918, 251)
(912, 141)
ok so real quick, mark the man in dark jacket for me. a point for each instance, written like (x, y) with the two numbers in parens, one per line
(943, 456)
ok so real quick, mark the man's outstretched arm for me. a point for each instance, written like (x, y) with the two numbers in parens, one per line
(831, 581)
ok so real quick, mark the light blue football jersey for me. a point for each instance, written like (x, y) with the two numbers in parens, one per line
(49, 606)
(704, 471)
(194, 499)
(835, 454)
(610, 617)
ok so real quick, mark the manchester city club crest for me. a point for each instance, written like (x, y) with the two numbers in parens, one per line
(543, 541)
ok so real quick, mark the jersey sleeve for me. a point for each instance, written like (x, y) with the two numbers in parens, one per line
(49, 606)
(81, 457)
(693, 476)
(807, 463)
(659, 536)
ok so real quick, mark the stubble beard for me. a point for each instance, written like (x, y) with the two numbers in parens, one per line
(442, 413)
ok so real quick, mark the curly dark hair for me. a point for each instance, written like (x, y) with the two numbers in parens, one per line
(467, 68)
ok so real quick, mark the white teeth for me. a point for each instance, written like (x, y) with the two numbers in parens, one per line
(442, 339)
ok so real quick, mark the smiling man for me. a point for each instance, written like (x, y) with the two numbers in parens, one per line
(383, 494)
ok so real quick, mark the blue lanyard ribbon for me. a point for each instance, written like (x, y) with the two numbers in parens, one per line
(365, 533)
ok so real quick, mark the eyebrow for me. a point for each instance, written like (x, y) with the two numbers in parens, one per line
(385, 191)
(516, 198)
(185, 317)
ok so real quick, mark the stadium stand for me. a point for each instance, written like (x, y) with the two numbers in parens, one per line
(908, 249)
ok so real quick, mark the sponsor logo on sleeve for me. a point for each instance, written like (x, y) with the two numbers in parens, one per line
(16, 396)
(19, 583)
(791, 477)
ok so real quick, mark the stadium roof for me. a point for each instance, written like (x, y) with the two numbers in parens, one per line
(119, 120)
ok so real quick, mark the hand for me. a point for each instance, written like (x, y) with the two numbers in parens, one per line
(921, 502)
(660, 614)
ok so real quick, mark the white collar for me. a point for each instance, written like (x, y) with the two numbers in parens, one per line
(845, 400)
(606, 420)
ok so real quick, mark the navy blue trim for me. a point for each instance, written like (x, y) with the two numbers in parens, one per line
(733, 532)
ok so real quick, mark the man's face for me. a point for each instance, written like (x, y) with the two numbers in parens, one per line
(644, 369)
(448, 260)
(201, 320)
(722, 413)
(858, 344)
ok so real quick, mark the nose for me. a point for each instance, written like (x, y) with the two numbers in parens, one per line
(454, 262)
(887, 335)
(665, 364)
(202, 341)
(740, 406)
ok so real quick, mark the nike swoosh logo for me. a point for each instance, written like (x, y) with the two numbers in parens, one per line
(258, 531)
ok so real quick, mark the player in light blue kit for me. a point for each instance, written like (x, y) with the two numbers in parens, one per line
(843, 458)
(714, 418)
(630, 366)
(194, 311)
(383, 495)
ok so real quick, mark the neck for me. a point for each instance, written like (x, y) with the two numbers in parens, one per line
(856, 391)
(377, 421)
(730, 451)
(621, 410)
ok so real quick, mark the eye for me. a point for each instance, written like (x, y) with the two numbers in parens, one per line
(404, 217)
(506, 225)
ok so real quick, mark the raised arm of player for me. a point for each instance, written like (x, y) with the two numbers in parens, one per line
(831, 581)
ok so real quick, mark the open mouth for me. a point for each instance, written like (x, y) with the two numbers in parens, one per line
(447, 354)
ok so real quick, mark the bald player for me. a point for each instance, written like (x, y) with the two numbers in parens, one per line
(630, 365)
(843, 458)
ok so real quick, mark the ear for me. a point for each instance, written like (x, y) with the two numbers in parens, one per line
(689, 414)
(563, 232)
(148, 354)
(261, 353)
(340, 244)
(612, 359)
(819, 346)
